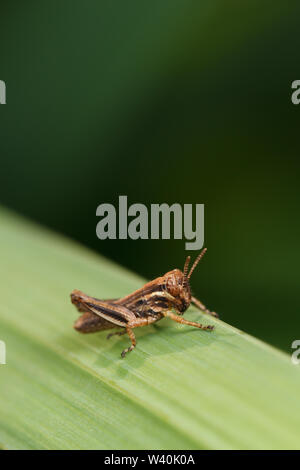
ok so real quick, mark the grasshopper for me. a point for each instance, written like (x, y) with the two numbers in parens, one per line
(149, 304)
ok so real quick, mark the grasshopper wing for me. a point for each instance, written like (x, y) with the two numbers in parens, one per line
(107, 310)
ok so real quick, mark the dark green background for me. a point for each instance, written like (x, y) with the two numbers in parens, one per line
(163, 101)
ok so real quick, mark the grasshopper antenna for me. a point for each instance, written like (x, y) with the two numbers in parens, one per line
(186, 266)
(185, 269)
(196, 262)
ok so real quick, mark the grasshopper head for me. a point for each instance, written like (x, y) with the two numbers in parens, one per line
(179, 287)
(178, 284)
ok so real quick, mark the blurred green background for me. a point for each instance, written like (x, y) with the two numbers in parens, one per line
(164, 101)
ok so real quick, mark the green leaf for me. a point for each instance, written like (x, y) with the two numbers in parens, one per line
(181, 388)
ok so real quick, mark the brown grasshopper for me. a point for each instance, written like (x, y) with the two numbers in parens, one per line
(146, 305)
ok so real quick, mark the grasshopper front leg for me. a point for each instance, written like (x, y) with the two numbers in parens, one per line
(183, 321)
(202, 307)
